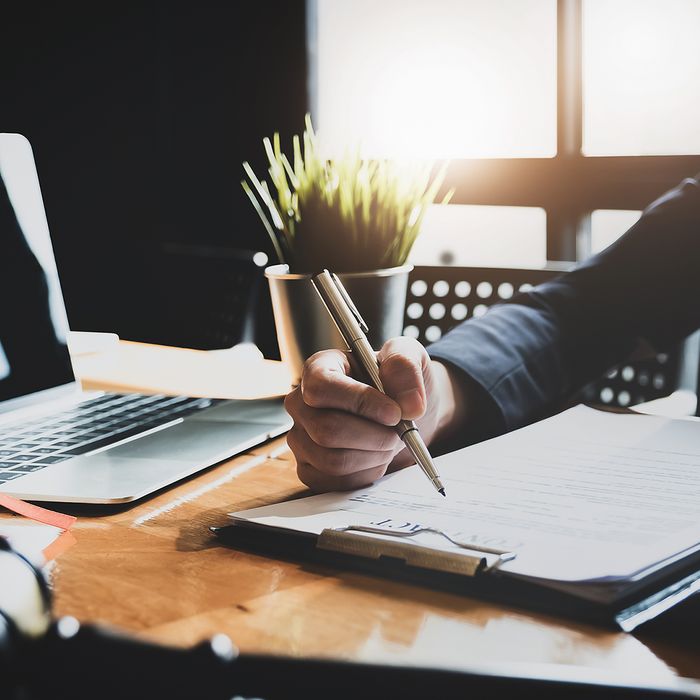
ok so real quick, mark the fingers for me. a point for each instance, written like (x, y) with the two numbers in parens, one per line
(335, 450)
(336, 461)
(321, 482)
(325, 384)
(337, 429)
(343, 436)
(403, 363)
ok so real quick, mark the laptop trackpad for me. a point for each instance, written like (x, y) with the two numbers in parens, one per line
(193, 441)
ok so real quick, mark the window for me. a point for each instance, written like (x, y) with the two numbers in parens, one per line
(641, 73)
(562, 118)
(478, 236)
(607, 225)
(439, 79)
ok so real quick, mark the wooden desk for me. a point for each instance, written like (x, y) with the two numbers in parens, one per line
(154, 569)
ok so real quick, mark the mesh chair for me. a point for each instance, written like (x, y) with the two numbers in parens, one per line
(439, 298)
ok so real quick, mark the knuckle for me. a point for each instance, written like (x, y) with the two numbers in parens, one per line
(399, 370)
(320, 354)
(336, 461)
(307, 368)
(400, 363)
(362, 401)
(393, 345)
(325, 431)
(402, 345)
(313, 390)
(388, 441)
(293, 440)
(305, 474)
(290, 401)
(310, 477)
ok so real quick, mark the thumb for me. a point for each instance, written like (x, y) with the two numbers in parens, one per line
(402, 364)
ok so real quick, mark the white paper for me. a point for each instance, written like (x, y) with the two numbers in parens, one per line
(30, 539)
(583, 496)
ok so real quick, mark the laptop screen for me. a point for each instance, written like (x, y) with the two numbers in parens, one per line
(33, 323)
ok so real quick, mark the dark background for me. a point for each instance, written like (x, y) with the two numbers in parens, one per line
(140, 114)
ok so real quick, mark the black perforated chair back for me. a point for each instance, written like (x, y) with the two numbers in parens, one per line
(439, 298)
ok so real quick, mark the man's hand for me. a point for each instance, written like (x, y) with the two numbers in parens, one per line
(343, 435)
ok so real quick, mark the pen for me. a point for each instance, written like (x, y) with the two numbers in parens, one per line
(353, 329)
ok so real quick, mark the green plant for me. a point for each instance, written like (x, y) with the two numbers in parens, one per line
(345, 214)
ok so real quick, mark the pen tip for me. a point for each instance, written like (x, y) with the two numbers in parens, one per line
(442, 491)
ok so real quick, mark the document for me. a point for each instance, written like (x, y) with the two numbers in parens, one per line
(33, 541)
(586, 496)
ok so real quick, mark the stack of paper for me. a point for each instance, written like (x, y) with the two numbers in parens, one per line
(589, 501)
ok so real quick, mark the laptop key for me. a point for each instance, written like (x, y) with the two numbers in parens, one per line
(90, 425)
(110, 439)
(95, 424)
(54, 459)
(26, 468)
(8, 476)
(107, 398)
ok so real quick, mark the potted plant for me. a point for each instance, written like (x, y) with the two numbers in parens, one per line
(358, 218)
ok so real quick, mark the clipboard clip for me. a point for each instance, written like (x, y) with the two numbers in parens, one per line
(343, 539)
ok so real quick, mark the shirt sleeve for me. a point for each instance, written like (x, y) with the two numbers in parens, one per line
(531, 353)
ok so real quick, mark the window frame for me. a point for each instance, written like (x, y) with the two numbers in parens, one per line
(568, 186)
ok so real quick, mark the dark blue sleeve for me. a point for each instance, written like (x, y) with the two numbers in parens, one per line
(531, 353)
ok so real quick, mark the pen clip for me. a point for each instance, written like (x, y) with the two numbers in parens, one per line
(349, 302)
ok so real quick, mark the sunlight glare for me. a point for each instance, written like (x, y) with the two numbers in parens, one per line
(641, 77)
(446, 79)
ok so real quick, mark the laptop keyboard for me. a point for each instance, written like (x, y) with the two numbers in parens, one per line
(91, 425)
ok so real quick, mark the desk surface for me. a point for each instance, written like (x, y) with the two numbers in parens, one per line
(154, 569)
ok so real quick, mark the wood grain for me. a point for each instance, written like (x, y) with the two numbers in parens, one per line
(155, 570)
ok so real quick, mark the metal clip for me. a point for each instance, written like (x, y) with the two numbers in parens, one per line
(503, 555)
(506, 554)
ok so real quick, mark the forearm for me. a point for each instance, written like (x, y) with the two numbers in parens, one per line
(529, 355)
(466, 413)
(455, 409)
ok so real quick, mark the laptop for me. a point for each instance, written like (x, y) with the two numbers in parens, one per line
(61, 444)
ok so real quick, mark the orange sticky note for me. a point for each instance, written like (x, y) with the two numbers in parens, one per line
(41, 515)
(63, 542)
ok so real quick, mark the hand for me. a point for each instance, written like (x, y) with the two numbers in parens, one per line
(343, 435)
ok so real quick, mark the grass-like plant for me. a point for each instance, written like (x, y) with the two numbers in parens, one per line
(346, 214)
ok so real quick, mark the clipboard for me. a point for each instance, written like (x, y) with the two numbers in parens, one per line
(477, 574)
(605, 529)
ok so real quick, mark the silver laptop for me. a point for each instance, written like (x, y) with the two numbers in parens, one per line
(58, 443)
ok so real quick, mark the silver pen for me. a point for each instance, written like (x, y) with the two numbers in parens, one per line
(352, 327)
